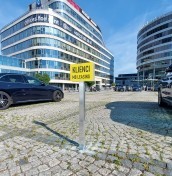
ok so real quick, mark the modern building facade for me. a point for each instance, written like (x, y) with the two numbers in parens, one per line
(126, 79)
(12, 65)
(53, 34)
(154, 49)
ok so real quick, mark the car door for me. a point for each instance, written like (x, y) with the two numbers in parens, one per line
(169, 89)
(16, 86)
(163, 86)
(38, 91)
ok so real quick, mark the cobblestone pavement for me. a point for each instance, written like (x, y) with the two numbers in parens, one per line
(126, 134)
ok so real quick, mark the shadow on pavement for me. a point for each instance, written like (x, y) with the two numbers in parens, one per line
(57, 134)
(143, 115)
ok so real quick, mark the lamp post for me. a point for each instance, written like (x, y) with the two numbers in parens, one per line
(143, 75)
(38, 63)
(153, 75)
(138, 79)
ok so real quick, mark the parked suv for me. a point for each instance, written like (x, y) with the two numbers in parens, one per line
(19, 88)
(165, 89)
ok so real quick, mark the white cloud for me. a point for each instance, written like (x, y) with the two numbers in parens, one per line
(123, 45)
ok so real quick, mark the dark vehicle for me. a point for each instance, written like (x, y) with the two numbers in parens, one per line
(119, 88)
(136, 88)
(156, 87)
(93, 89)
(20, 88)
(128, 88)
(165, 89)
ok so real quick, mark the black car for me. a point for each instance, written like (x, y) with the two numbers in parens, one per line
(165, 89)
(119, 88)
(136, 88)
(20, 88)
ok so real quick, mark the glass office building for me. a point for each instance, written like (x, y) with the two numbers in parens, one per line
(154, 49)
(126, 79)
(53, 34)
(12, 65)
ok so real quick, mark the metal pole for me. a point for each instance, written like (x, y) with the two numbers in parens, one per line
(81, 115)
(143, 77)
(153, 75)
(138, 77)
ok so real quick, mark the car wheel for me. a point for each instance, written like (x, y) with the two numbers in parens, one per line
(57, 95)
(5, 100)
(160, 101)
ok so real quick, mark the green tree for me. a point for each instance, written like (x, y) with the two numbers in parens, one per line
(43, 77)
(90, 83)
(113, 84)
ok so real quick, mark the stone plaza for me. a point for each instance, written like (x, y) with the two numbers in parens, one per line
(127, 134)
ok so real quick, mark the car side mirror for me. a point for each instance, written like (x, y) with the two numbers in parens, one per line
(42, 84)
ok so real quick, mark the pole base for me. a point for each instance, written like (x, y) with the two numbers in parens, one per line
(82, 147)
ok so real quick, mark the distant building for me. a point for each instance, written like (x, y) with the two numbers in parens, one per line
(154, 49)
(51, 35)
(126, 79)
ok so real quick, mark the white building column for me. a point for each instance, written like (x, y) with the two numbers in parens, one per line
(76, 87)
(63, 86)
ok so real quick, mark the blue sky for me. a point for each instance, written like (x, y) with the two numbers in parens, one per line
(119, 20)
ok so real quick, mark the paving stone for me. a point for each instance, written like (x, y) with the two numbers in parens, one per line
(102, 156)
(121, 154)
(75, 167)
(169, 165)
(138, 166)
(56, 170)
(99, 163)
(3, 166)
(4, 173)
(43, 168)
(33, 171)
(168, 172)
(104, 171)
(123, 169)
(26, 167)
(118, 173)
(36, 163)
(54, 162)
(83, 172)
(15, 170)
(148, 174)
(111, 158)
(126, 163)
(46, 173)
(84, 164)
(110, 166)
(66, 173)
(160, 163)
(135, 172)
(90, 159)
(97, 174)
(156, 170)
(64, 165)
(92, 168)
(11, 164)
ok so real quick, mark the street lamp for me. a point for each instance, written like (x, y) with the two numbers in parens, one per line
(38, 63)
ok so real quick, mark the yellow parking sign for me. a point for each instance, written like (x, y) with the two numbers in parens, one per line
(82, 72)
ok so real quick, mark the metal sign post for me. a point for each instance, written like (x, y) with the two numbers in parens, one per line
(81, 115)
(80, 73)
